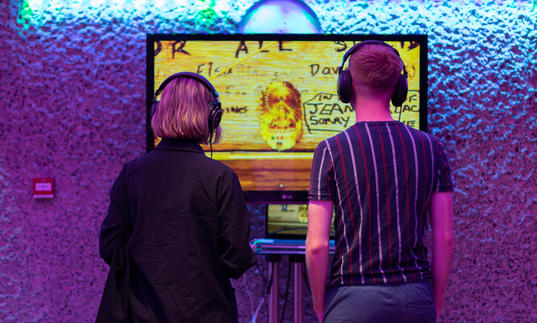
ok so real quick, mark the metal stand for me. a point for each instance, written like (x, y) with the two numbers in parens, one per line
(274, 249)
(298, 287)
(273, 304)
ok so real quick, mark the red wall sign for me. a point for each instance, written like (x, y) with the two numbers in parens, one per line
(44, 188)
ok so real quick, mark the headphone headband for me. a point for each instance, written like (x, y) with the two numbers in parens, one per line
(361, 44)
(191, 75)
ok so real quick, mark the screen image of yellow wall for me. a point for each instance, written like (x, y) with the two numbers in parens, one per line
(279, 100)
(289, 220)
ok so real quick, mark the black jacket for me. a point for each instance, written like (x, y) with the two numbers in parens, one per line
(189, 234)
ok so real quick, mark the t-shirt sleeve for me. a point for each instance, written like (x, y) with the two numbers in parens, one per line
(443, 181)
(321, 179)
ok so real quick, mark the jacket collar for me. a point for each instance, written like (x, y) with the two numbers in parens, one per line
(179, 144)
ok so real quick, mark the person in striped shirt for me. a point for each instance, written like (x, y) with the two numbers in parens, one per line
(384, 182)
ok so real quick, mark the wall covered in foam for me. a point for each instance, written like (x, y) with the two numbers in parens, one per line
(72, 78)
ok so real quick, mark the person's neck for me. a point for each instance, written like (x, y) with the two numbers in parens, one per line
(372, 109)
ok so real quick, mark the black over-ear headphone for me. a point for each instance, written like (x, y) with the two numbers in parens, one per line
(344, 81)
(215, 107)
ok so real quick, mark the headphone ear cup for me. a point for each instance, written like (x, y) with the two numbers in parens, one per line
(344, 86)
(400, 91)
(215, 116)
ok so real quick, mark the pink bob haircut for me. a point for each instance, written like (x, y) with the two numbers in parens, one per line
(183, 112)
(375, 66)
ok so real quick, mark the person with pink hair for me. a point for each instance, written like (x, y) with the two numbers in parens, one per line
(187, 227)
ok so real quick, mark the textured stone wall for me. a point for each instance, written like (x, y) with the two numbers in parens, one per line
(72, 108)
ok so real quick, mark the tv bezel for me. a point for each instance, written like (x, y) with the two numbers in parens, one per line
(280, 196)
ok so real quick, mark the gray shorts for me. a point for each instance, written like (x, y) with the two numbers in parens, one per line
(411, 302)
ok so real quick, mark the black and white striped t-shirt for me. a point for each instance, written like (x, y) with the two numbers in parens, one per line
(380, 176)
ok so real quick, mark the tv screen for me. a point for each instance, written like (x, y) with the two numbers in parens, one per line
(279, 96)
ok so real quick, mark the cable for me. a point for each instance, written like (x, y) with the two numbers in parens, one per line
(254, 318)
(266, 290)
(211, 143)
(286, 295)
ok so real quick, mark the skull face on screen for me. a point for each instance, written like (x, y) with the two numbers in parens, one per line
(280, 120)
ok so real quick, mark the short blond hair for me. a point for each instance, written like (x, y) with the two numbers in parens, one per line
(376, 66)
(183, 112)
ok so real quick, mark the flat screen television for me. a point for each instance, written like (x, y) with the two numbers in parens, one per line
(279, 96)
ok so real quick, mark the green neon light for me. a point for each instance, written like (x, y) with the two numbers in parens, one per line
(25, 15)
(37, 12)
